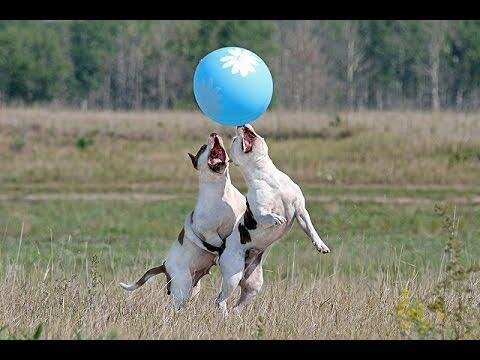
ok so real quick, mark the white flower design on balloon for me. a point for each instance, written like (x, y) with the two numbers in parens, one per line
(240, 60)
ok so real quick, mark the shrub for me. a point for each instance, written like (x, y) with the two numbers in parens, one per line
(450, 311)
(84, 142)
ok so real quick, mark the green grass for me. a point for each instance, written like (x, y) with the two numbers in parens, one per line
(366, 238)
(371, 156)
(441, 193)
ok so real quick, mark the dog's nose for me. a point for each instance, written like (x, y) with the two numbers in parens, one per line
(213, 134)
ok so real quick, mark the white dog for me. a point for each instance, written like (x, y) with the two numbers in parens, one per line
(219, 207)
(274, 201)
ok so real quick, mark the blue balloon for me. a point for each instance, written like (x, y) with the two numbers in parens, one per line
(232, 86)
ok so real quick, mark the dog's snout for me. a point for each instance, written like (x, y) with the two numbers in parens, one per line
(239, 129)
(213, 134)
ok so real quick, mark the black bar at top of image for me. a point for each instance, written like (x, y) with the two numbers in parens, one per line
(264, 10)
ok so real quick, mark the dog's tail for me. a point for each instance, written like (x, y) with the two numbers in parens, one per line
(150, 273)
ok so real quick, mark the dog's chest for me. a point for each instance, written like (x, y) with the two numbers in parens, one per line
(219, 216)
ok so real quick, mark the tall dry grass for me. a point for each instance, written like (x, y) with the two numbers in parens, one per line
(71, 306)
(332, 307)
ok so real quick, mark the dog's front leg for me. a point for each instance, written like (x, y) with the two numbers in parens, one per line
(269, 220)
(261, 207)
(266, 218)
(305, 223)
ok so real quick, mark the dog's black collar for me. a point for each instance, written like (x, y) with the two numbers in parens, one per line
(212, 248)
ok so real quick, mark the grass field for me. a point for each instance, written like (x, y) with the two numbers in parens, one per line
(91, 199)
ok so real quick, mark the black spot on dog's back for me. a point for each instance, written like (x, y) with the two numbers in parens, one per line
(248, 219)
(244, 234)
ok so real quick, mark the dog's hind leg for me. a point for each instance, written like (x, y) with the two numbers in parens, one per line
(195, 291)
(252, 280)
(180, 288)
(232, 264)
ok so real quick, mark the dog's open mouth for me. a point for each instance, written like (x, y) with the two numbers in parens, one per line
(248, 138)
(217, 157)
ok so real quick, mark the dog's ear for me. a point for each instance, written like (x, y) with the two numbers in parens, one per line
(194, 160)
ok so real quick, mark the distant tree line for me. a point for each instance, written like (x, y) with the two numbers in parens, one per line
(374, 64)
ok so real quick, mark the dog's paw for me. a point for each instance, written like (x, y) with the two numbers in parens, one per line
(322, 248)
(222, 308)
(273, 220)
